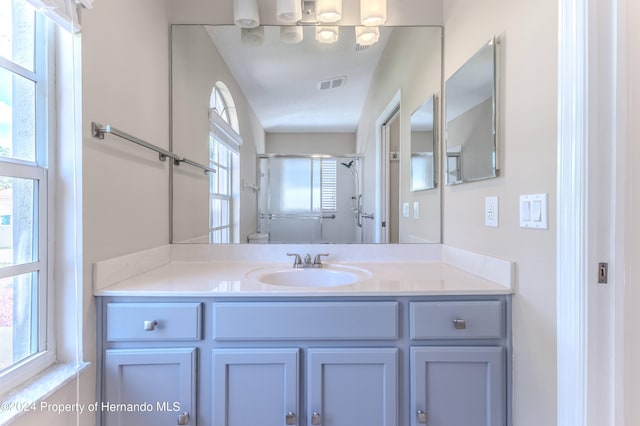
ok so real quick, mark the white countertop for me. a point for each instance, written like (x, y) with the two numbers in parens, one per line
(228, 279)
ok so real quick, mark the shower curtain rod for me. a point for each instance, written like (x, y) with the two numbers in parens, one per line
(98, 130)
(357, 156)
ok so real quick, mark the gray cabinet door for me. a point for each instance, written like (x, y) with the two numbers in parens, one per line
(149, 387)
(458, 386)
(255, 387)
(347, 387)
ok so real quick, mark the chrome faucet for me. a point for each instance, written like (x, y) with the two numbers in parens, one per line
(298, 263)
(316, 261)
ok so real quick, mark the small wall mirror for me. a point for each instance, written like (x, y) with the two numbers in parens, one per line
(470, 116)
(423, 146)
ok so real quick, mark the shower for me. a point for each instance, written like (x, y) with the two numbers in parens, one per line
(307, 198)
(357, 197)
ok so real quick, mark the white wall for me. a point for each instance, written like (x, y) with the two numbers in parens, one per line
(125, 84)
(310, 143)
(528, 96)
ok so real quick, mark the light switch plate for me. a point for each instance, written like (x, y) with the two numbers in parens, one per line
(534, 211)
(491, 211)
(405, 209)
(416, 210)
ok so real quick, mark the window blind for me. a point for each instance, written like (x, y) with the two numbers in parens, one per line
(328, 185)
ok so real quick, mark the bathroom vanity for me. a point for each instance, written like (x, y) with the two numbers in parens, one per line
(430, 346)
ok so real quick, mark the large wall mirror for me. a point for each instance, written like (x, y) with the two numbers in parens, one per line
(470, 105)
(288, 117)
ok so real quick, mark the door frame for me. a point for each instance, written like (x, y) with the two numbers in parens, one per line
(591, 212)
(381, 213)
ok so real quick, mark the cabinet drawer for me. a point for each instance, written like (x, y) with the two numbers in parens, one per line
(306, 321)
(456, 320)
(154, 321)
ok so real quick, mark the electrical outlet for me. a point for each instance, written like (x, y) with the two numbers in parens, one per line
(491, 211)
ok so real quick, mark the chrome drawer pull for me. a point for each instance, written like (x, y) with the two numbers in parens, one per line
(316, 419)
(150, 325)
(459, 324)
(183, 419)
(290, 418)
(422, 417)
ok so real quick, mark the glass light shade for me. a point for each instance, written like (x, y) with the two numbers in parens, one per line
(252, 36)
(329, 10)
(245, 13)
(289, 11)
(366, 36)
(373, 12)
(327, 35)
(291, 34)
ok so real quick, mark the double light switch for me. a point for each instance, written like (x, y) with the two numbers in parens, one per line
(533, 211)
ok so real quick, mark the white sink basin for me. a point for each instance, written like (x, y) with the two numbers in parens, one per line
(327, 276)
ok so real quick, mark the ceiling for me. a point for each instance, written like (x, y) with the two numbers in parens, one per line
(280, 80)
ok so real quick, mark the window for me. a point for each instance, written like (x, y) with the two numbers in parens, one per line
(221, 196)
(23, 186)
(224, 142)
(219, 105)
(309, 185)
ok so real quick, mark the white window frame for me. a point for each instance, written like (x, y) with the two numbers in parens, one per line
(218, 166)
(44, 77)
(223, 133)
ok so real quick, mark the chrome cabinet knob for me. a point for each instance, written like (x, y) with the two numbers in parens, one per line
(459, 324)
(150, 325)
(316, 419)
(183, 419)
(290, 418)
(422, 417)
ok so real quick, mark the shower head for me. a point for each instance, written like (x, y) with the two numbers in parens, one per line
(348, 166)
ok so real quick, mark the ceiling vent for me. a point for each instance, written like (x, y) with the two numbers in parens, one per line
(332, 83)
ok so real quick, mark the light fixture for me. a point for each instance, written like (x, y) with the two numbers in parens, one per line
(289, 11)
(252, 36)
(373, 12)
(328, 10)
(291, 34)
(366, 36)
(245, 13)
(327, 35)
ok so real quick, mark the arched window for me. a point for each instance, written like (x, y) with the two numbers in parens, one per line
(218, 104)
(224, 187)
